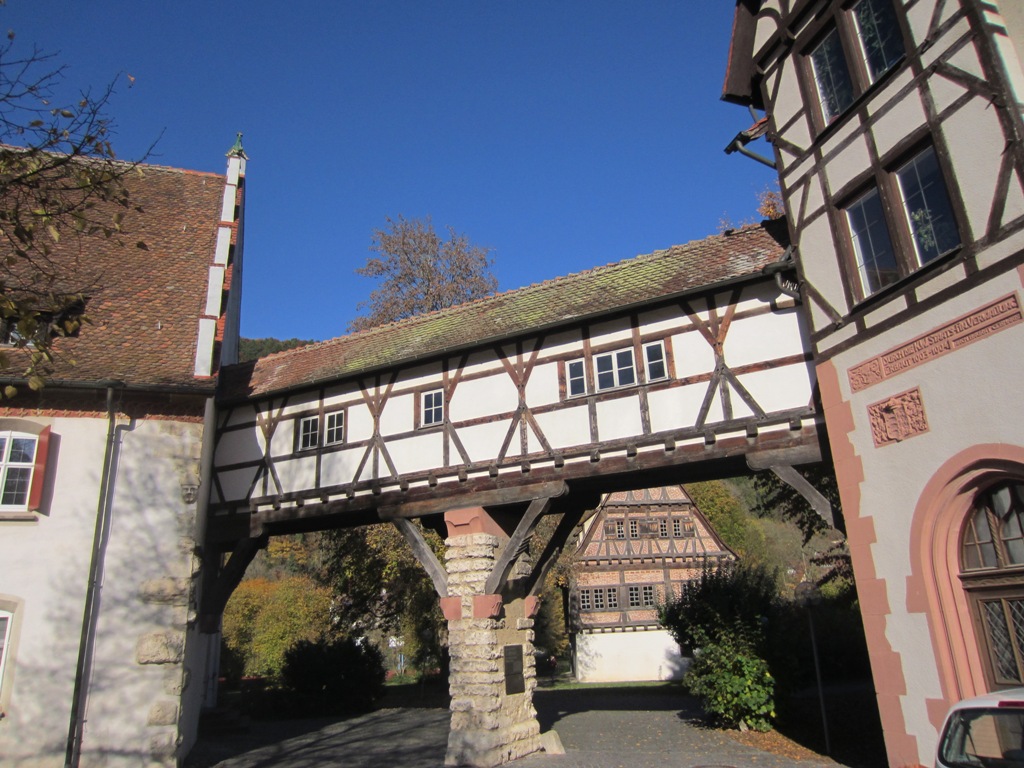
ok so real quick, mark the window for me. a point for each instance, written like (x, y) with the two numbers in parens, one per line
(433, 407)
(648, 595)
(663, 528)
(6, 620)
(832, 76)
(615, 369)
(927, 227)
(584, 599)
(40, 326)
(677, 528)
(576, 379)
(634, 529)
(634, 597)
(991, 557)
(335, 432)
(17, 465)
(309, 433)
(868, 29)
(654, 358)
(598, 599)
(613, 597)
(620, 529)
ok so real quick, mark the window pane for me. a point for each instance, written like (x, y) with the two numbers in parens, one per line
(309, 432)
(16, 484)
(624, 364)
(876, 261)
(433, 407)
(23, 450)
(605, 373)
(655, 354)
(598, 599)
(879, 34)
(585, 600)
(835, 89)
(1001, 641)
(577, 381)
(335, 428)
(613, 597)
(927, 207)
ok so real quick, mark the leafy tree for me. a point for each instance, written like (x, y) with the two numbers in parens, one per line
(730, 520)
(60, 185)
(420, 272)
(252, 349)
(340, 675)
(733, 683)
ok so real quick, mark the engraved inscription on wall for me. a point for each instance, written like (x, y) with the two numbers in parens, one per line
(965, 330)
(897, 418)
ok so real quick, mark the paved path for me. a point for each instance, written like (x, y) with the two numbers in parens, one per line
(604, 728)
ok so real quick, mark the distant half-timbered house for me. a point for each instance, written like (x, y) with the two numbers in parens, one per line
(635, 553)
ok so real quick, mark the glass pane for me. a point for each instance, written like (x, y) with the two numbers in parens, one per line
(16, 485)
(624, 362)
(1013, 539)
(577, 382)
(655, 362)
(1001, 501)
(832, 76)
(605, 374)
(999, 636)
(23, 450)
(927, 206)
(872, 245)
(879, 35)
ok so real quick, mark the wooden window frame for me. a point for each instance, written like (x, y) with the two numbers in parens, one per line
(423, 408)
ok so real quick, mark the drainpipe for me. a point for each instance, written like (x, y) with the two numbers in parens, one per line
(101, 535)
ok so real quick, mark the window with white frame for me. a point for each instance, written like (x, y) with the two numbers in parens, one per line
(654, 360)
(17, 465)
(6, 622)
(886, 250)
(648, 595)
(433, 408)
(857, 46)
(599, 599)
(575, 378)
(585, 600)
(634, 529)
(677, 527)
(612, 593)
(634, 597)
(620, 529)
(615, 369)
(309, 433)
(334, 428)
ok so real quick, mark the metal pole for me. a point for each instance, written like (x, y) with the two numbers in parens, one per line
(817, 674)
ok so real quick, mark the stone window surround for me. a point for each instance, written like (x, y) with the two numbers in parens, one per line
(13, 607)
(42, 474)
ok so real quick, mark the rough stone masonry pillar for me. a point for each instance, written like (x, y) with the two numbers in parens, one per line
(492, 674)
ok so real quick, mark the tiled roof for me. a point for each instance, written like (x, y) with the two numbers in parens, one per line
(145, 287)
(670, 494)
(562, 301)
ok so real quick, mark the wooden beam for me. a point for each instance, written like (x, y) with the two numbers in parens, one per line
(799, 484)
(516, 545)
(424, 554)
(495, 497)
(570, 519)
(218, 589)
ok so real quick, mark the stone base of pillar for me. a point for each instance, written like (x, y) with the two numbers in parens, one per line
(490, 726)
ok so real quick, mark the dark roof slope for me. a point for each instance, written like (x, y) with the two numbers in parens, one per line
(644, 279)
(145, 286)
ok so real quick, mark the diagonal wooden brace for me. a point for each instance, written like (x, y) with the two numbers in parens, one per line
(516, 545)
(798, 483)
(223, 581)
(424, 554)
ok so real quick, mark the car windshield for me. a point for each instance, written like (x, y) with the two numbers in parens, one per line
(991, 737)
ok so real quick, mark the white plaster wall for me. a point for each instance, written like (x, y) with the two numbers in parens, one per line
(46, 564)
(472, 399)
(628, 656)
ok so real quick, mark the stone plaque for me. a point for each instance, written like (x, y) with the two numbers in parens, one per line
(514, 681)
(983, 322)
(897, 418)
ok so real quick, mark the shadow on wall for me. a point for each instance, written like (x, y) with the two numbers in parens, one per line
(629, 657)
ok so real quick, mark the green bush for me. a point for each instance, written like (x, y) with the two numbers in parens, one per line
(338, 676)
(732, 682)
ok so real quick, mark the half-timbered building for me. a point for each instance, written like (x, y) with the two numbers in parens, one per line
(897, 134)
(477, 420)
(635, 553)
(102, 493)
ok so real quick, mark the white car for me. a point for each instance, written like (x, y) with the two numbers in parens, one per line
(984, 732)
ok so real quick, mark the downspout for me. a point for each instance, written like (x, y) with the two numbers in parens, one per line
(92, 595)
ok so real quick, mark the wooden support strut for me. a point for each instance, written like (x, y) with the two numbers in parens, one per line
(225, 580)
(424, 554)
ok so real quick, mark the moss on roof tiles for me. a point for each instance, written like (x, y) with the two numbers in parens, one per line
(642, 279)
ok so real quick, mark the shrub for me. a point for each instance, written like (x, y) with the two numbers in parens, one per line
(732, 682)
(338, 676)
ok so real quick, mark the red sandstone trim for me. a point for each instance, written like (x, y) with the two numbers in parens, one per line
(531, 605)
(451, 607)
(470, 520)
(487, 606)
(886, 665)
(933, 588)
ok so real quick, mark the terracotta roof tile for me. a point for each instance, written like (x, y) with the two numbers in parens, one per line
(643, 279)
(144, 303)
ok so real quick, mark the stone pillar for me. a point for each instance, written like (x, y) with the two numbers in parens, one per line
(492, 723)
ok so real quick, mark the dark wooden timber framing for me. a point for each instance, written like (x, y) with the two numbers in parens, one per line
(792, 36)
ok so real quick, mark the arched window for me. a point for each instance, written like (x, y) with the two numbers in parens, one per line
(992, 572)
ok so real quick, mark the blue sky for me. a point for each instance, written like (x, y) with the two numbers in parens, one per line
(563, 135)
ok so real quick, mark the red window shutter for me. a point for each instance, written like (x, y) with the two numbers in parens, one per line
(35, 493)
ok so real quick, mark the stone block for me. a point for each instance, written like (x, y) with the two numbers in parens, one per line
(451, 607)
(163, 747)
(166, 590)
(480, 565)
(163, 713)
(176, 680)
(160, 648)
(487, 606)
